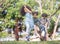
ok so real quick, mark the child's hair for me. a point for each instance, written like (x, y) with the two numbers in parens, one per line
(35, 13)
(44, 15)
(22, 10)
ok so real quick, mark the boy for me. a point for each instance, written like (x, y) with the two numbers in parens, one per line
(36, 23)
(44, 25)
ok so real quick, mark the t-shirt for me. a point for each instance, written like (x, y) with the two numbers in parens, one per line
(29, 20)
(44, 21)
(36, 21)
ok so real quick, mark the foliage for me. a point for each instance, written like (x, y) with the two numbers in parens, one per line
(13, 7)
(3, 34)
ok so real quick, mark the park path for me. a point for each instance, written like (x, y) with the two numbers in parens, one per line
(36, 39)
(10, 38)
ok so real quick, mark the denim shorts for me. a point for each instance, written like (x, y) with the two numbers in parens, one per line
(42, 28)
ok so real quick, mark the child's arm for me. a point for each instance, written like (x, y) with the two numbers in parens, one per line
(27, 10)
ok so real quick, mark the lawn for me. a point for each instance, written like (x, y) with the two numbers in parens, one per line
(25, 42)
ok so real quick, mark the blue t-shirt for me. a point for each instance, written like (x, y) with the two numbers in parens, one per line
(29, 20)
(36, 21)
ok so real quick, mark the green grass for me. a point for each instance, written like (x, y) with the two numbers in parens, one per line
(25, 42)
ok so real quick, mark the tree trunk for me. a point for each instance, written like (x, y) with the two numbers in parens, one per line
(55, 27)
(40, 4)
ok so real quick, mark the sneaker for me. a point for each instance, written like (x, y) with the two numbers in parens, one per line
(28, 37)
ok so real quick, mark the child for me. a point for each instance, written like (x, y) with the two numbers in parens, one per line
(29, 23)
(44, 24)
(18, 27)
(36, 23)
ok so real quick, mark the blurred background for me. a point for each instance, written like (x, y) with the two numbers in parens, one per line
(10, 9)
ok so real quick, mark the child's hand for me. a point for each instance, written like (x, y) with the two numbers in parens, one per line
(24, 6)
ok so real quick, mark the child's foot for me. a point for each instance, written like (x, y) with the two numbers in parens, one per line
(28, 38)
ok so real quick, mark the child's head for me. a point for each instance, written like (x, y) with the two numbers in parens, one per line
(35, 14)
(44, 15)
(24, 9)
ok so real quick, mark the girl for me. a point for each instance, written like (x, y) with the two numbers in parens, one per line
(29, 23)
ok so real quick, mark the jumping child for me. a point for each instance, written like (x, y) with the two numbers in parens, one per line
(29, 23)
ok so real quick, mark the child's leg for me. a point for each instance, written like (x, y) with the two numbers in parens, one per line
(28, 31)
(28, 28)
(37, 31)
(43, 32)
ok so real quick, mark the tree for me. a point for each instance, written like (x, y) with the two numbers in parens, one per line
(40, 4)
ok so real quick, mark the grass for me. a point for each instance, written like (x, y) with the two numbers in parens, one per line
(26, 42)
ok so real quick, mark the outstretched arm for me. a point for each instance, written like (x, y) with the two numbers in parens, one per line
(27, 10)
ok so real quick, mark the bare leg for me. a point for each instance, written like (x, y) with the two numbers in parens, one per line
(36, 28)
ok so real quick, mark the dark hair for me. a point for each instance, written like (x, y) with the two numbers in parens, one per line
(22, 10)
(35, 13)
(44, 15)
